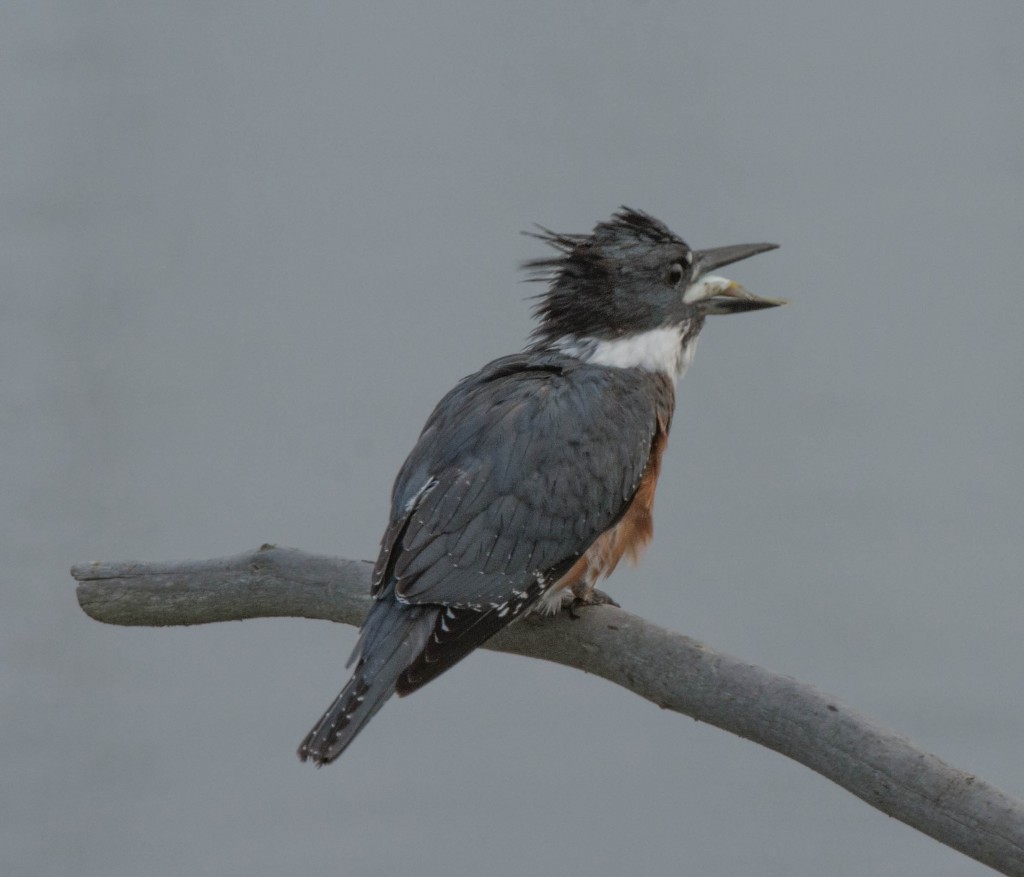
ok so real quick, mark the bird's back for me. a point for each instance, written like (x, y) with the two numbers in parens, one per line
(517, 472)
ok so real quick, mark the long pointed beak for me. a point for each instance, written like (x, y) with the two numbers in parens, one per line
(705, 261)
(718, 295)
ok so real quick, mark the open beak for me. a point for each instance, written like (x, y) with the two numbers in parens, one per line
(718, 295)
(706, 261)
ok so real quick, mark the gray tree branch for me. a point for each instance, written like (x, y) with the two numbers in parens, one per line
(673, 671)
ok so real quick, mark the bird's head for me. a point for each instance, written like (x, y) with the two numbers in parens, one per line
(633, 276)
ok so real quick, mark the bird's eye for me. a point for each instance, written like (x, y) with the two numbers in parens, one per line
(675, 274)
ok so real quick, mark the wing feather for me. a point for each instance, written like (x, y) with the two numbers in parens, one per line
(531, 464)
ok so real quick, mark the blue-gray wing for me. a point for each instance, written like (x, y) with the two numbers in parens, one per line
(518, 470)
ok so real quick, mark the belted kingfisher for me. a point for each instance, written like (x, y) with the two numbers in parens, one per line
(537, 473)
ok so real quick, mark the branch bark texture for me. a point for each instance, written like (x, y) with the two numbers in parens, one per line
(671, 670)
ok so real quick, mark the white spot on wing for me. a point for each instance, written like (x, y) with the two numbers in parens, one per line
(428, 485)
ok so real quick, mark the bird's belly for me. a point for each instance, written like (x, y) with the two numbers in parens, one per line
(629, 536)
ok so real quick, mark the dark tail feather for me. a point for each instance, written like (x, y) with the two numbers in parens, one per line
(460, 632)
(393, 635)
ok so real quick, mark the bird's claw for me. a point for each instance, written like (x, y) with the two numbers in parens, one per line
(593, 597)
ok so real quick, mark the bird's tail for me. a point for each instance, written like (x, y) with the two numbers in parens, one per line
(392, 637)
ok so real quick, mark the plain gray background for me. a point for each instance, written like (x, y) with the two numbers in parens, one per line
(246, 247)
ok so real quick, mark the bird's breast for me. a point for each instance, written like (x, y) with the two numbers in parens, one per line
(628, 536)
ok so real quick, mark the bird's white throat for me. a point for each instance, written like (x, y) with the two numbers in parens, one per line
(665, 350)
